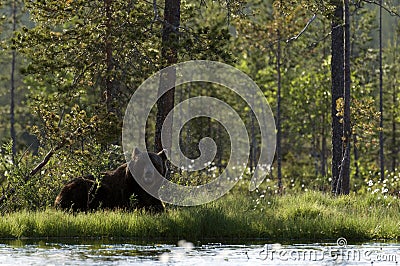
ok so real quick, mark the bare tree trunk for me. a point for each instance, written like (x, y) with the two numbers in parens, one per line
(188, 129)
(253, 141)
(323, 148)
(337, 62)
(278, 113)
(220, 150)
(169, 53)
(110, 89)
(12, 87)
(315, 145)
(395, 149)
(381, 155)
(356, 157)
(344, 175)
(394, 146)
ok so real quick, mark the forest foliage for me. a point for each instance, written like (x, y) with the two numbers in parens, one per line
(70, 55)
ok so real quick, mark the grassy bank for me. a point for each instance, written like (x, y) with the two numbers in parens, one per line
(310, 216)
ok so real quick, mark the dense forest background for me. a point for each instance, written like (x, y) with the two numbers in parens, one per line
(69, 69)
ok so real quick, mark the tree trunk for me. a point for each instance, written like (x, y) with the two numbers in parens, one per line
(253, 141)
(220, 150)
(337, 62)
(356, 156)
(381, 155)
(110, 90)
(278, 114)
(12, 86)
(169, 53)
(314, 145)
(344, 176)
(323, 148)
(394, 146)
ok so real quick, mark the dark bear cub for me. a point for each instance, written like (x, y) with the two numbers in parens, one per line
(118, 188)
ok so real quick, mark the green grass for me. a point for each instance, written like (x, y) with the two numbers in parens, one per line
(308, 216)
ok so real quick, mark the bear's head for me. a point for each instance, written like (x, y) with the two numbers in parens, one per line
(147, 168)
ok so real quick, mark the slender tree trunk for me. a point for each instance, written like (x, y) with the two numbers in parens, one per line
(395, 143)
(181, 141)
(381, 155)
(356, 157)
(220, 150)
(323, 148)
(12, 86)
(315, 146)
(344, 176)
(110, 90)
(251, 142)
(394, 146)
(189, 136)
(337, 62)
(169, 53)
(278, 113)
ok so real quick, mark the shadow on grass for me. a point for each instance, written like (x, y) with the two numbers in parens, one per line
(308, 217)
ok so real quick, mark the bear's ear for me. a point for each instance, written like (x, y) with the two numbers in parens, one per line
(136, 153)
(163, 154)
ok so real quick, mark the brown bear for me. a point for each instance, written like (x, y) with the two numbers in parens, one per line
(118, 188)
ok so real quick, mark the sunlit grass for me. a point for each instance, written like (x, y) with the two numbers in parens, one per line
(240, 216)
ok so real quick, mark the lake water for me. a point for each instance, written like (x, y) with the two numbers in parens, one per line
(106, 252)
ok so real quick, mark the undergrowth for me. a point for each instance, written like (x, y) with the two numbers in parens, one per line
(308, 216)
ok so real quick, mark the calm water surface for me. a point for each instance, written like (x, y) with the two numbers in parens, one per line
(61, 252)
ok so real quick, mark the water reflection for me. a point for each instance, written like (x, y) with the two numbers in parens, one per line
(111, 252)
